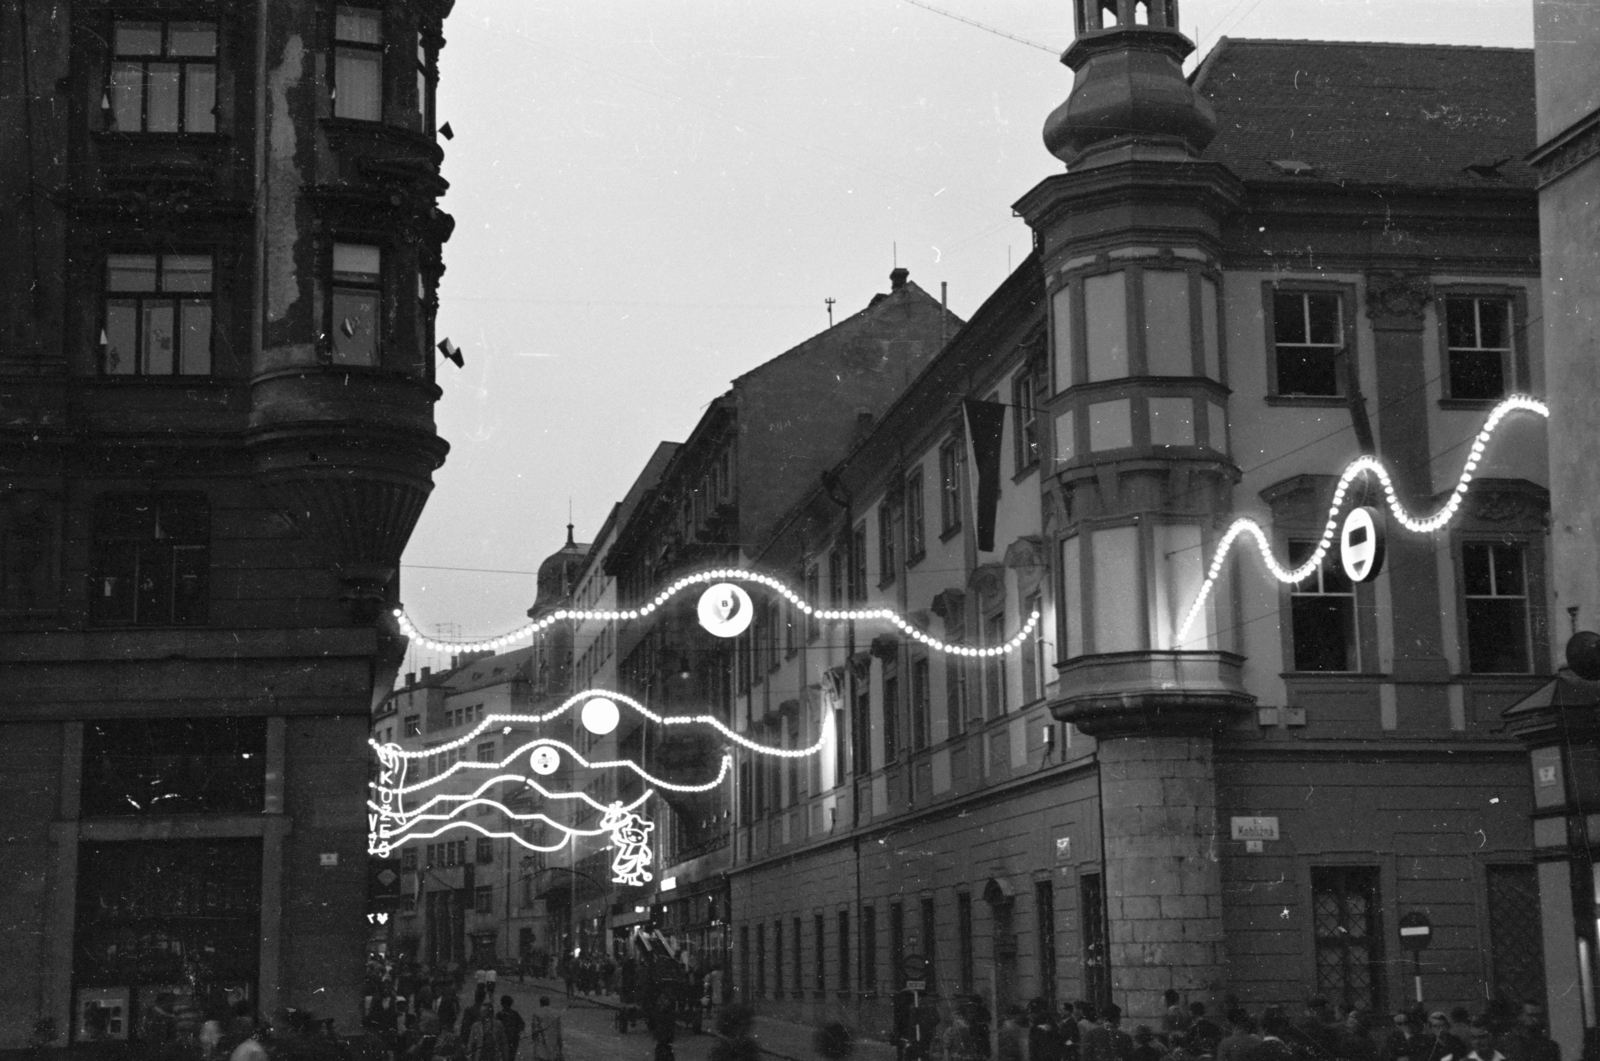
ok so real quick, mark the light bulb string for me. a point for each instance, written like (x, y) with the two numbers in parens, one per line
(551, 742)
(889, 615)
(1365, 464)
(394, 751)
(516, 779)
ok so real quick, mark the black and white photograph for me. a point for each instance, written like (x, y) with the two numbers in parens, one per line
(902, 530)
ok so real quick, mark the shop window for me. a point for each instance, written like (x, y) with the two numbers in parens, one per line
(950, 461)
(1308, 334)
(358, 63)
(356, 304)
(1478, 347)
(1026, 416)
(1349, 944)
(916, 533)
(174, 766)
(163, 77)
(1322, 614)
(151, 555)
(1494, 583)
(157, 315)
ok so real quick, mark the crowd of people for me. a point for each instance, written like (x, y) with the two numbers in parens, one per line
(1085, 1032)
(421, 1018)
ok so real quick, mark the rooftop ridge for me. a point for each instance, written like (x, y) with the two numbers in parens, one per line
(1298, 42)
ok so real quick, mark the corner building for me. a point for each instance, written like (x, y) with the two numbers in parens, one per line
(1243, 280)
(216, 302)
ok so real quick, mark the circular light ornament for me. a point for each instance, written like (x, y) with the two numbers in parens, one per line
(725, 610)
(600, 716)
(1361, 544)
(544, 760)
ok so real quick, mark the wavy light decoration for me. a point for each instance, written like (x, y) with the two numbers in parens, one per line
(1361, 465)
(889, 615)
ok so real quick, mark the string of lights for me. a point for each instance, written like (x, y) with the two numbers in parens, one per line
(888, 615)
(507, 721)
(550, 742)
(1362, 465)
(516, 779)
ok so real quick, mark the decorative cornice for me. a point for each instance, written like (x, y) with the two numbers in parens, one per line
(1568, 150)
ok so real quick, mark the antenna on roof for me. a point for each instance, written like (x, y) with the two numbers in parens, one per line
(829, 302)
(895, 254)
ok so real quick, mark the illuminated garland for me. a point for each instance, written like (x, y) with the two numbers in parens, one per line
(551, 742)
(889, 615)
(572, 701)
(1361, 465)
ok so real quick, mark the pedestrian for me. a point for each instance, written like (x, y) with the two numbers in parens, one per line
(1013, 1038)
(1527, 1041)
(1203, 1033)
(1445, 1042)
(1405, 1041)
(1241, 1040)
(1175, 1022)
(1272, 1047)
(544, 1033)
(1044, 1040)
(1144, 1045)
(733, 1025)
(1355, 1037)
(449, 1008)
(1483, 1047)
(512, 1023)
(486, 1041)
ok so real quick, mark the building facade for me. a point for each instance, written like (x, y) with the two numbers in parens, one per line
(1241, 282)
(215, 336)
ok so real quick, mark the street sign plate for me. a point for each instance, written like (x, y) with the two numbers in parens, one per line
(916, 985)
(1255, 828)
(1416, 931)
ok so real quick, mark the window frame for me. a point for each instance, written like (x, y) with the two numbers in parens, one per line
(1515, 369)
(1534, 625)
(887, 562)
(102, 541)
(915, 518)
(427, 63)
(339, 44)
(921, 700)
(176, 299)
(182, 62)
(1027, 444)
(1376, 929)
(951, 460)
(349, 282)
(1350, 349)
(858, 562)
(1330, 563)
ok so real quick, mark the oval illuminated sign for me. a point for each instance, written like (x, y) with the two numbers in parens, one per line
(1361, 544)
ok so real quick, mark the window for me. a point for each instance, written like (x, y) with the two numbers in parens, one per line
(485, 851)
(157, 315)
(486, 752)
(858, 563)
(860, 745)
(835, 580)
(820, 931)
(358, 63)
(891, 720)
(744, 963)
(799, 963)
(950, 486)
(869, 949)
(357, 295)
(151, 559)
(919, 704)
(1032, 654)
(1478, 347)
(1496, 590)
(1308, 336)
(174, 766)
(1027, 420)
(761, 961)
(844, 950)
(955, 692)
(427, 78)
(813, 592)
(1092, 917)
(1349, 943)
(916, 538)
(994, 667)
(413, 725)
(964, 941)
(163, 77)
(886, 559)
(897, 945)
(930, 938)
(777, 959)
(1044, 905)
(1322, 614)
(1516, 939)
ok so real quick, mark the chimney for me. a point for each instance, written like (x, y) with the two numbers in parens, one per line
(898, 277)
(411, 678)
(426, 673)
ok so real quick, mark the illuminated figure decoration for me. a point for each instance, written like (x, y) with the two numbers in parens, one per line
(630, 835)
(1360, 466)
(723, 612)
(391, 824)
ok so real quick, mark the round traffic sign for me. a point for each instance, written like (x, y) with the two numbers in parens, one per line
(1416, 931)
(1361, 543)
(914, 966)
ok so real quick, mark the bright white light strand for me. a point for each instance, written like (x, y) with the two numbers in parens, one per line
(550, 742)
(568, 704)
(1426, 525)
(889, 615)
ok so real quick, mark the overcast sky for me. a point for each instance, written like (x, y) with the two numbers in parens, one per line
(655, 196)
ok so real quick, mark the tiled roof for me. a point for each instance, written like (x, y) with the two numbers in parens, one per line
(1417, 115)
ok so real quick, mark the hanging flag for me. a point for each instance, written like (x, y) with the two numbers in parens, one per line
(986, 424)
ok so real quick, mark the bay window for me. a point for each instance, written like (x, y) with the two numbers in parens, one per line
(157, 315)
